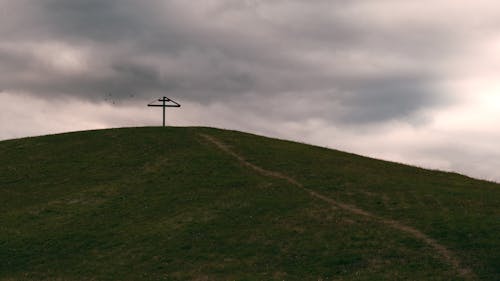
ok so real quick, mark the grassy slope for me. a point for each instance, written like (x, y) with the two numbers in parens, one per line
(164, 204)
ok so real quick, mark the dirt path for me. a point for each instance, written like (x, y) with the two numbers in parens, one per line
(445, 253)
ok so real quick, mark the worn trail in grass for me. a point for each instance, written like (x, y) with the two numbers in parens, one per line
(446, 254)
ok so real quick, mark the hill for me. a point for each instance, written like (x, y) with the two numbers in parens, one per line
(210, 204)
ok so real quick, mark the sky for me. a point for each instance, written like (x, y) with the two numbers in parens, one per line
(415, 82)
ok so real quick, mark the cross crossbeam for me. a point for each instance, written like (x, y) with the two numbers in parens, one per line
(166, 102)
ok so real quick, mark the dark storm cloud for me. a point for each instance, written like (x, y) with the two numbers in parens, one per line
(384, 98)
(318, 57)
(100, 21)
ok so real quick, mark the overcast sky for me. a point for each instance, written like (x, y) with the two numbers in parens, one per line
(416, 82)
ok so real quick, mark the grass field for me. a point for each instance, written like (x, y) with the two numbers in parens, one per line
(210, 204)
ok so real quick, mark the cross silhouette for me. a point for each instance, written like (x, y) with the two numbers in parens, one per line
(164, 104)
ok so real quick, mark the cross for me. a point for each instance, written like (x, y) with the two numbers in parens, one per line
(164, 104)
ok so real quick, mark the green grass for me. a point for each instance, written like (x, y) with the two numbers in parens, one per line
(166, 204)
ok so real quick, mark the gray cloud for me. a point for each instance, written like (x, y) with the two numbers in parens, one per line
(393, 79)
(226, 50)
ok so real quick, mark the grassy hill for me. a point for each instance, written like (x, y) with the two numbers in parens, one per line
(209, 204)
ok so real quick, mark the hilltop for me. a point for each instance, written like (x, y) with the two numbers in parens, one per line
(210, 204)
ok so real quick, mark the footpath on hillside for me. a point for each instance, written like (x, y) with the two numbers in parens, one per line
(446, 254)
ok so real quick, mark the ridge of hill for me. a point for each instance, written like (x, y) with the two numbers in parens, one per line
(210, 204)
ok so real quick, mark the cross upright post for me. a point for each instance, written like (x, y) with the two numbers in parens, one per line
(163, 99)
(164, 104)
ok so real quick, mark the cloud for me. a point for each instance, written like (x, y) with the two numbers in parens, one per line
(214, 50)
(326, 72)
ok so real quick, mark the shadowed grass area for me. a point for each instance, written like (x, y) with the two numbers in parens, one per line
(165, 204)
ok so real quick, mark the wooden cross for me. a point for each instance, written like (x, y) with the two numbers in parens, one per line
(164, 104)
